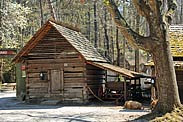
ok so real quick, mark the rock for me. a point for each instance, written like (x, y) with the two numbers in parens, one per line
(133, 105)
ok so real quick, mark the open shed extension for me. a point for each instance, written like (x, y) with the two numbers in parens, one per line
(124, 72)
(127, 89)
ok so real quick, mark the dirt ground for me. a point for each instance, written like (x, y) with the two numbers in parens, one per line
(12, 110)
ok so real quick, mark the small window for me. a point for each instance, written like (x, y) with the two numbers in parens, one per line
(43, 76)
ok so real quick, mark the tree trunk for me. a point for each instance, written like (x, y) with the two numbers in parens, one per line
(181, 12)
(117, 48)
(106, 31)
(52, 11)
(124, 41)
(95, 24)
(156, 43)
(137, 53)
(1, 3)
(41, 12)
(168, 96)
(88, 25)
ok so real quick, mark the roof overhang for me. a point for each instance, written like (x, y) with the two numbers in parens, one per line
(124, 72)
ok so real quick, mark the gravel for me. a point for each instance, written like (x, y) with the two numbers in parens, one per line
(12, 110)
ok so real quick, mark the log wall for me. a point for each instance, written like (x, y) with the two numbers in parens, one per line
(54, 53)
(95, 78)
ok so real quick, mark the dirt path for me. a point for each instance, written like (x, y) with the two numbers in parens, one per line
(12, 110)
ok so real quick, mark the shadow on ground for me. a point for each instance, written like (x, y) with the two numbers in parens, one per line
(128, 110)
(11, 103)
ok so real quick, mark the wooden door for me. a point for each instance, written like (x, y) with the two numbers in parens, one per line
(56, 81)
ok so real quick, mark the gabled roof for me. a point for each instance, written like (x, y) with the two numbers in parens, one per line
(74, 37)
(80, 43)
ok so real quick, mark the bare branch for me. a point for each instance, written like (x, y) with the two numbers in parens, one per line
(143, 8)
(133, 38)
(172, 6)
(153, 5)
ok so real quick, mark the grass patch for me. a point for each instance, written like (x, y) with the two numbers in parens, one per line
(175, 116)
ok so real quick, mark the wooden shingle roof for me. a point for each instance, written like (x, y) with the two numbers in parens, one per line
(81, 43)
(74, 37)
(176, 40)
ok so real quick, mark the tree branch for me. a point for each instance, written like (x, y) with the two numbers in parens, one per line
(172, 6)
(150, 9)
(133, 38)
(143, 8)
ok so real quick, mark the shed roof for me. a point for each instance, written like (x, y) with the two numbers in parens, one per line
(74, 37)
(124, 72)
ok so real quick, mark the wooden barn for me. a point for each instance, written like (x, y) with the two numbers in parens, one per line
(60, 63)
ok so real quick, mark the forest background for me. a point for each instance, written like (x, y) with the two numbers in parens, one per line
(20, 19)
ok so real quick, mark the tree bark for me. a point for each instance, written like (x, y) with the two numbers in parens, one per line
(156, 43)
(168, 96)
(52, 11)
(117, 48)
(95, 24)
(181, 12)
(88, 24)
(106, 31)
(137, 52)
(1, 3)
(41, 12)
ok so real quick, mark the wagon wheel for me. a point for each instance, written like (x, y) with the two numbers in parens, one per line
(100, 92)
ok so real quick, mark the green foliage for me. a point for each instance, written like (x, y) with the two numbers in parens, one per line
(106, 2)
(13, 20)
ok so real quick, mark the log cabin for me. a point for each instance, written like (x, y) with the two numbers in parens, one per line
(61, 64)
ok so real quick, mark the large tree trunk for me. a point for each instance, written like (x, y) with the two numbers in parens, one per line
(156, 43)
(168, 95)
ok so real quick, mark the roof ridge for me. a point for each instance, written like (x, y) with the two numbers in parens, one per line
(66, 25)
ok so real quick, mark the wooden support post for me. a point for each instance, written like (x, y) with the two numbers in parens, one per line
(2, 78)
(135, 86)
(106, 76)
(62, 83)
(1, 74)
(125, 90)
